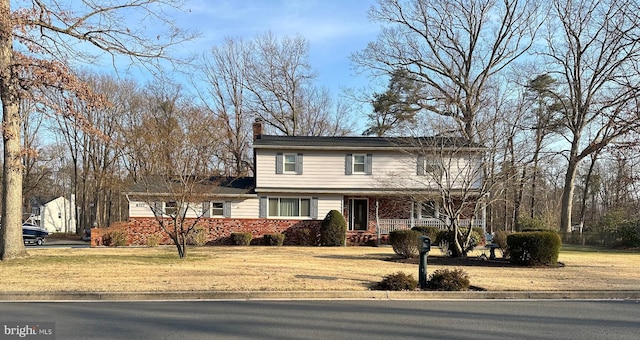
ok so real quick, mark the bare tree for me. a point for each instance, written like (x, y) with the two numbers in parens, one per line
(453, 48)
(594, 52)
(38, 39)
(279, 80)
(172, 144)
(452, 168)
(224, 97)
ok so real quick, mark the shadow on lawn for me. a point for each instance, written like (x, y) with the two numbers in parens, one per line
(457, 261)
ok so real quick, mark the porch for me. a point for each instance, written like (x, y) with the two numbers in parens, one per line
(387, 225)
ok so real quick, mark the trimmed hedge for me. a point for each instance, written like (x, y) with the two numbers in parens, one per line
(432, 232)
(405, 243)
(333, 230)
(241, 239)
(273, 239)
(534, 248)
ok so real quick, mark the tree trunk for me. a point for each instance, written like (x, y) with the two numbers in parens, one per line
(11, 244)
(567, 196)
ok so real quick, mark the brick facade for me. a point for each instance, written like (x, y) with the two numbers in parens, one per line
(219, 230)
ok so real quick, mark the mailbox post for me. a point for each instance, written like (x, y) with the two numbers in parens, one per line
(425, 242)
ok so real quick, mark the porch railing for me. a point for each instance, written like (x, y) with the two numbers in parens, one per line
(388, 225)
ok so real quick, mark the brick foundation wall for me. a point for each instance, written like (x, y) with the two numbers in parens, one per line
(218, 230)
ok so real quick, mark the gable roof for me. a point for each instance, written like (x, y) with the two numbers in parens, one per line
(354, 143)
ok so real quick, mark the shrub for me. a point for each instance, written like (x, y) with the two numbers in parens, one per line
(305, 236)
(115, 238)
(629, 234)
(153, 240)
(333, 230)
(446, 241)
(241, 239)
(432, 232)
(534, 248)
(397, 281)
(500, 238)
(405, 243)
(273, 239)
(525, 223)
(449, 280)
(198, 237)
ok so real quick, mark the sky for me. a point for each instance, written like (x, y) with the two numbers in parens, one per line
(334, 30)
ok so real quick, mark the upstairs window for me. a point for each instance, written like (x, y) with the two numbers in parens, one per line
(429, 166)
(289, 163)
(358, 164)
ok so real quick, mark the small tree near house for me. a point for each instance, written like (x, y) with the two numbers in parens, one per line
(449, 178)
(172, 147)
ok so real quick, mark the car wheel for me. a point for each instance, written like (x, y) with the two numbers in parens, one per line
(39, 241)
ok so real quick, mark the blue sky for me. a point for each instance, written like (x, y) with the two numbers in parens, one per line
(333, 28)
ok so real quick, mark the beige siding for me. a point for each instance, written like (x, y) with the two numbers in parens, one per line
(139, 209)
(326, 170)
(247, 208)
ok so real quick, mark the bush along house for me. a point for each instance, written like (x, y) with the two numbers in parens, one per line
(379, 184)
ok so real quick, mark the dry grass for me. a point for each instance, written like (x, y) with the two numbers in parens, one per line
(289, 269)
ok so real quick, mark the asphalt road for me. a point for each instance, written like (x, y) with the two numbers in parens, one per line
(337, 319)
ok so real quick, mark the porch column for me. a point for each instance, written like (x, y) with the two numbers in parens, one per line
(484, 216)
(377, 223)
(413, 221)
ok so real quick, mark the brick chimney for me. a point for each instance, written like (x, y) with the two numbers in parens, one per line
(258, 127)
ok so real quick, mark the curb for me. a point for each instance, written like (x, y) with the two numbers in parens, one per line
(318, 295)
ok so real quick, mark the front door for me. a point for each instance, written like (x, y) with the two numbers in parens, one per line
(358, 209)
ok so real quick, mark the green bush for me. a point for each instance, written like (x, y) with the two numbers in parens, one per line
(628, 234)
(432, 232)
(449, 280)
(115, 238)
(273, 239)
(534, 248)
(241, 239)
(333, 230)
(525, 223)
(405, 243)
(398, 281)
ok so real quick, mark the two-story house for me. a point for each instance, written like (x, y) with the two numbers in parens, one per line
(379, 184)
